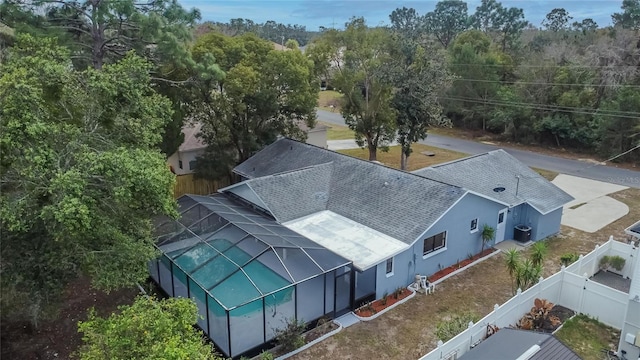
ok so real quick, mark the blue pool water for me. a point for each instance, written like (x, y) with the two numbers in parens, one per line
(229, 288)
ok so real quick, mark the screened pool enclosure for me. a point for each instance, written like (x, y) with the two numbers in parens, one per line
(247, 273)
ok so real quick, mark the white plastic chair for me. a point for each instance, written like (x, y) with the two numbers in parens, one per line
(429, 288)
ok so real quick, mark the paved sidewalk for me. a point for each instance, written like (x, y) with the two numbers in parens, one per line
(346, 144)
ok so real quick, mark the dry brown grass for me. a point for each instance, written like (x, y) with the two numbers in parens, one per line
(408, 330)
(416, 160)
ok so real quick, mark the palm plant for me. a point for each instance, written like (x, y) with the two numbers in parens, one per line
(512, 260)
(538, 252)
(488, 233)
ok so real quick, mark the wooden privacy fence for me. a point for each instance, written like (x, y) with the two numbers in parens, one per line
(188, 184)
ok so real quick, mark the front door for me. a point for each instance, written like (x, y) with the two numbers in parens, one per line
(501, 227)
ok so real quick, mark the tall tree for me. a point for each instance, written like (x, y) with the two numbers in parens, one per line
(449, 19)
(478, 68)
(556, 20)
(418, 75)
(361, 55)
(488, 16)
(109, 29)
(630, 16)
(585, 25)
(80, 179)
(407, 22)
(264, 93)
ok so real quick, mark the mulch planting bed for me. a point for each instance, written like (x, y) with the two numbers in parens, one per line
(446, 271)
(377, 306)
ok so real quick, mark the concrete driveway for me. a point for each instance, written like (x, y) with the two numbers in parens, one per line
(592, 209)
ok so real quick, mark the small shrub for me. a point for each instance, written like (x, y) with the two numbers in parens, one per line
(398, 292)
(265, 355)
(291, 336)
(569, 258)
(538, 253)
(470, 256)
(447, 329)
(617, 262)
(370, 308)
(384, 299)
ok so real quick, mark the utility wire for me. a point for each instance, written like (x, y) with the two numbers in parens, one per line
(558, 107)
(544, 83)
(537, 107)
(547, 66)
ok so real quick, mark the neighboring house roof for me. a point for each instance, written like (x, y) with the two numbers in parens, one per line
(294, 179)
(191, 140)
(633, 230)
(513, 343)
(497, 170)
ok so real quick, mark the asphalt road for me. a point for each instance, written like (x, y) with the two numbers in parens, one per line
(583, 169)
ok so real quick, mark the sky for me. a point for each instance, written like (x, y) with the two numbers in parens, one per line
(334, 13)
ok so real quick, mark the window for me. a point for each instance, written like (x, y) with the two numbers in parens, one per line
(501, 218)
(474, 225)
(180, 164)
(192, 164)
(434, 243)
(390, 267)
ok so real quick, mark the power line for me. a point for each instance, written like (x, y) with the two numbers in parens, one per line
(543, 83)
(539, 107)
(547, 66)
(561, 108)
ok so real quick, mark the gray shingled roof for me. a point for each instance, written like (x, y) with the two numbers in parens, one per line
(292, 178)
(498, 169)
(511, 343)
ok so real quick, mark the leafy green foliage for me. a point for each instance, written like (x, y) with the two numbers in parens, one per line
(487, 234)
(556, 20)
(264, 93)
(448, 329)
(290, 336)
(359, 59)
(629, 18)
(81, 178)
(568, 258)
(447, 20)
(418, 76)
(147, 329)
(538, 252)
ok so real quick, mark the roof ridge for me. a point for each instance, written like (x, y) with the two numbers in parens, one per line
(366, 161)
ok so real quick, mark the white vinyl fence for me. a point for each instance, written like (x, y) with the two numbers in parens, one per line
(570, 288)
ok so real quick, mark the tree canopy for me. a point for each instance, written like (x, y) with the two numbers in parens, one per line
(264, 93)
(147, 329)
(81, 174)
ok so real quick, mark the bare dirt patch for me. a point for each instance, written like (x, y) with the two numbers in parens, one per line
(58, 339)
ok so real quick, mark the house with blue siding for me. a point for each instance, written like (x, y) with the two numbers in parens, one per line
(311, 233)
(393, 224)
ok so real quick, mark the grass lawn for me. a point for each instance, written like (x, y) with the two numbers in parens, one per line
(327, 98)
(337, 132)
(416, 160)
(588, 336)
